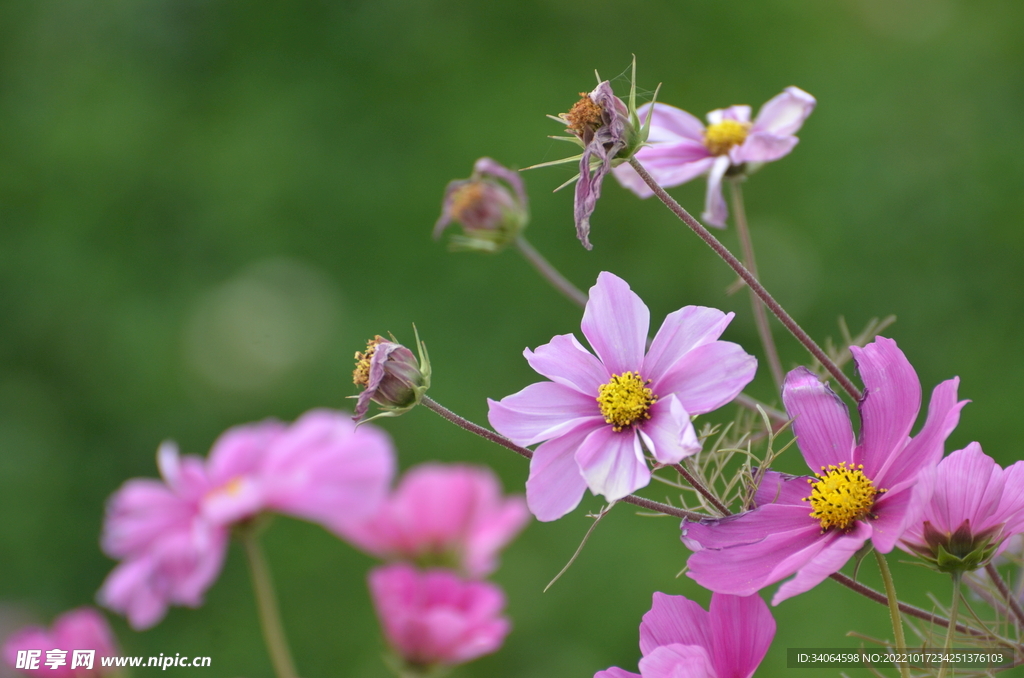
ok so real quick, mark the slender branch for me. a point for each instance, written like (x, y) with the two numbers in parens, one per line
(270, 615)
(760, 317)
(697, 485)
(748, 278)
(499, 439)
(550, 273)
(1005, 591)
(894, 611)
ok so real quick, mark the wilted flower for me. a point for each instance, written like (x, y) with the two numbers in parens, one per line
(597, 414)
(681, 148)
(434, 617)
(974, 508)
(452, 516)
(811, 526)
(679, 639)
(390, 376)
(37, 651)
(491, 215)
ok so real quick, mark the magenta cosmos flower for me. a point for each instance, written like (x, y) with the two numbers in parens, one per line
(452, 516)
(862, 491)
(434, 617)
(680, 148)
(679, 639)
(37, 651)
(598, 414)
(172, 536)
(974, 508)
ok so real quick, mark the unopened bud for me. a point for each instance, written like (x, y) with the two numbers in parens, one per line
(491, 207)
(390, 376)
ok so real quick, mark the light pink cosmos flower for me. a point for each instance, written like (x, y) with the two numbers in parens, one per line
(444, 515)
(598, 414)
(975, 507)
(811, 526)
(80, 629)
(171, 536)
(434, 617)
(679, 639)
(681, 148)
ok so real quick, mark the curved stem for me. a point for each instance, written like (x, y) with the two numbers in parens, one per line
(550, 273)
(760, 317)
(499, 439)
(951, 631)
(894, 611)
(1007, 594)
(266, 601)
(748, 278)
(705, 492)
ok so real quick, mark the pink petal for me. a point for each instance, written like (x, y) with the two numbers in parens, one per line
(707, 377)
(669, 123)
(968, 486)
(564, 360)
(674, 619)
(742, 629)
(892, 399)
(737, 113)
(669, 165)
(677, 661)
(782, 488)
(785, 113)
(669, 434)
(556, 485)
(715, 211)
(829, 560)
(615, 323)
(239, 450)
(1011, 508)
(681, 332)
(613, 463)
(763, 147)
(896, 510)
(616, 672)
(821, 421)
(542, 411)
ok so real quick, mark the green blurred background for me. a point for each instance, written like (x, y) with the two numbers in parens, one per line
(206, 207)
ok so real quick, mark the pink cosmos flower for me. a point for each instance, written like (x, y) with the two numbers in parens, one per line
(434, 617)
(679, 639)
(681, 148)
(80, 629)
(976, 506)
(171, 536)
(811, 526)
(598, 414)
(444, 515)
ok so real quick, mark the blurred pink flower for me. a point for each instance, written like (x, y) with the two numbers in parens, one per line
(434, 617)
(975, 507)
(80, 629)
(453, 516)
(863, 491)
(172, 536)
(681, 148)
(679, 639)
(597, 414)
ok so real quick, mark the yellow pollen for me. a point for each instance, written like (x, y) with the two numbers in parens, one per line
(585, 114)
(721, 136)
(361, 374)
(841, 495)
(466, 199)
(625, 400)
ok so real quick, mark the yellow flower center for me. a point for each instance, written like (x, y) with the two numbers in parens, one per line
(721, 136)
(625, 400)
(361, 374)
(466, 199)
(841, 495)
(584, 115)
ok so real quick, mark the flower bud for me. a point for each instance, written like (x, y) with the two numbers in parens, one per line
(960, 551)
(391, 376)
(491, 215)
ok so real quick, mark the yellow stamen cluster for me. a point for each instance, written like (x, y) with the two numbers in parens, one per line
(466, 199)
(361, 375)
(841, 495)
(721, 136)
(625, 400)
(584, 115)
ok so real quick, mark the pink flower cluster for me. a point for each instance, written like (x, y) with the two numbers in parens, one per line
(37, 651)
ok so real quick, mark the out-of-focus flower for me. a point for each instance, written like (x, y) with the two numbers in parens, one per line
(37, 651)
(811, 526)
(434, 617)
(974, 508)
(681, 148)
(450, 516)
(391, 376)
(171, 536)
(597, 414)
(491, 215)
(679, 639)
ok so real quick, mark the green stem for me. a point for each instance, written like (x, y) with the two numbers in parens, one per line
(266, 601)
(550, 273)
(894, 611)
(951, 631)
(760, 316)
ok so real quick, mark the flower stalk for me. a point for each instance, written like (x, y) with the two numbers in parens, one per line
(951, 631)
(266, 601)
(550, 273)
(894, 611)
